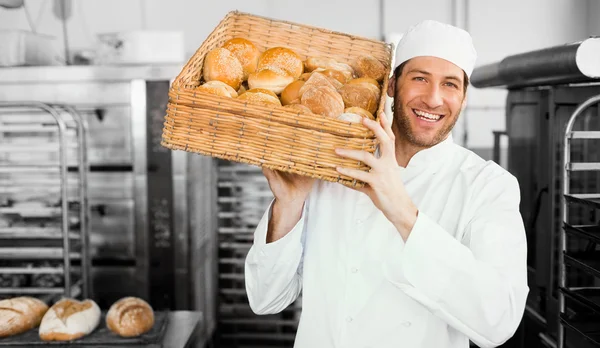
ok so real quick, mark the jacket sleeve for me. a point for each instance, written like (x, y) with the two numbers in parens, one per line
(273, 271)
(478, 285)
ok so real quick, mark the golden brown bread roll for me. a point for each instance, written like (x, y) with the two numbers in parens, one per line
(316, 79)
(368, 66)
(130, 317)
(291, 93)
(363, 95)
(260, 96)
(281, 59)
(359, 111)
(350, 117)
(314, 63)
(220, 64)
(20, 314)
(246, 52)
(218, 88)
(269, 79)
(323, 100)
(365, 80)
(299, 107)
(336, 74)
(69, 319)
(332, 81)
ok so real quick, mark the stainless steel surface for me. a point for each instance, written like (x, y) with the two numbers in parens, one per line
(89, 73)
(567, 165)
(549, 66)
(140, 182)
(180, 229)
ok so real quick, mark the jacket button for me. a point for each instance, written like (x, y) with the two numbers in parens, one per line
(407, 323)
(349, 319)
(354, 270)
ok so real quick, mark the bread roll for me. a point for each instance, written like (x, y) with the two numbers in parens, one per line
(281, 59)
(261, 96)
(323, 100)
(291, 94)
(368, 66)
(314, 63)
(299, 107)
(69, 319)
(221, 65)
(336, 74)
(20, 314)
(130, 317)
(363, 95)
(364, 80)
(245, 51)
(316, 79)
(218, 88)
(350, 117)
(359, 111)
(269, 79)
(332, 81)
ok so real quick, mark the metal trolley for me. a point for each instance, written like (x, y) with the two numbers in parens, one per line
(44, 215)
(578, 257)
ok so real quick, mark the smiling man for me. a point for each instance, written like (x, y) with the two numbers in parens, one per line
(430, 253)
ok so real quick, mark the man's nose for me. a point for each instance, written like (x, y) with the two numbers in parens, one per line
(433, 97)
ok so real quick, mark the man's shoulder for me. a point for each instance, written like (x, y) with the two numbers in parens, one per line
(480, 169)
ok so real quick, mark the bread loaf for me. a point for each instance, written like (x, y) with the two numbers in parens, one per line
(260, 96)
(350, 117)
(130, 317)
(316, 79)
(314, 63)
(69, 319)
(299, 107)
(218, 88)
(281, 60)
(336, 74)
(269, 79)
(221, 65)
(291, 93)
(363, 95)
(368, 66)
(323, 100)
(20, 314)
(364, 80)
(359, 111)
(246, 52)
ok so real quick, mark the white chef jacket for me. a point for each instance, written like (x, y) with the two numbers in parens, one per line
(461, 274)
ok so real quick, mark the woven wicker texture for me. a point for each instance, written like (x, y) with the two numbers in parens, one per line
(274, 137)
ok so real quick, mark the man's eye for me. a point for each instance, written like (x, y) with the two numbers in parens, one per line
(450, 84)
(419, 78)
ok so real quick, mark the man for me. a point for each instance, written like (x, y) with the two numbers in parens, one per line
(431, 253)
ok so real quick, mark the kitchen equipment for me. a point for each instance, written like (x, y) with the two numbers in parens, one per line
(141, 47)
(20, 47)
(40, 242)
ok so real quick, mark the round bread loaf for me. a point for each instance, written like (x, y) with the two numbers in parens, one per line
(291, 93)
(130, 317)
(260, 96)
(350, 117)
(20, 314)
(69, 319)
(281, 59)
(336, 74)
(323, 100)
(246, 52)
(359, 111)
(221, 65)
(324, 63)
(299, 107)
(218, 88)
(317, 79)
(368, 66)
(364, 80)
(269, 79)
(363, 95)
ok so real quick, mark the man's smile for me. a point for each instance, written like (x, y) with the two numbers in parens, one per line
(427, 116)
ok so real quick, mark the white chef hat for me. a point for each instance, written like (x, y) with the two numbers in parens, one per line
(431, 38)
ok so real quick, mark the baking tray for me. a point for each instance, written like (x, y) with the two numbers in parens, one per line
(101, 337)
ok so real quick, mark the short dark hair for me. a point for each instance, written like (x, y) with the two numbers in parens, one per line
(399, 68)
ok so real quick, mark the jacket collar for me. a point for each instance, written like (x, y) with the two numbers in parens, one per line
(433, 156)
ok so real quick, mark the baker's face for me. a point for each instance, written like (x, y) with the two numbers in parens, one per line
(428, 97)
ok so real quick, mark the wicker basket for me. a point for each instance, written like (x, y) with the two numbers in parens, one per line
(274, 137)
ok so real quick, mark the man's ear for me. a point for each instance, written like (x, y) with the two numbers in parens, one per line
(391, 91)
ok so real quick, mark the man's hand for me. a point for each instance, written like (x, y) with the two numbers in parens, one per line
(290, 191)
(384, 183)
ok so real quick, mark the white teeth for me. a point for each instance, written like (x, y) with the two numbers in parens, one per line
(427, 116)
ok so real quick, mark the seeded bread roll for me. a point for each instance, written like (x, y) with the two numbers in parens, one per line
(368, 66)
(323, 100)
(269, 79)
(20, 314)
(69, 319)
(246, 52)
(218, 88)
(260, 96)
(281, 60)
(221, 65)
(130, 317)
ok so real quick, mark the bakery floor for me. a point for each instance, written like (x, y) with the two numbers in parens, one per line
(181, 329)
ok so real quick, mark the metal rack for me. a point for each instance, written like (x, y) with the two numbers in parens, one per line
(44, 244)
(579, 306)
